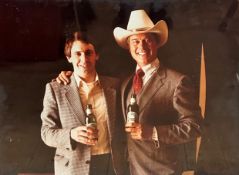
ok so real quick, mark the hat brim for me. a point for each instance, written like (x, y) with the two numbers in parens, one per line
(160, 28)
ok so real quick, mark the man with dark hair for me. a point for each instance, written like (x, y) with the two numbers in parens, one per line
(82, 150)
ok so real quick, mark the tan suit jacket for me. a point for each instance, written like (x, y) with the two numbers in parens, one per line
(168, 102)
(62, 111)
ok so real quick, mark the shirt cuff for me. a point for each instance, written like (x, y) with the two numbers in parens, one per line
(155, 134)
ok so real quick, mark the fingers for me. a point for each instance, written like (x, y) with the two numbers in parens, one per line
(79, 134)
(64, 77)
(138, 131)
(92, 133)
(84, 135)
(68, 73)
(130, 126)
(92, 136)
(142, 132)
(134, 129)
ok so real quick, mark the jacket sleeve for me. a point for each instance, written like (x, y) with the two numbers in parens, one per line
(52, 132)
(188, 125)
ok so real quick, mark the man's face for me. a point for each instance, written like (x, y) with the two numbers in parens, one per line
(83, 58)
(143, 48)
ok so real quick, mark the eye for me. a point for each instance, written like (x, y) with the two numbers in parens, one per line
(148, 40)
(88, 53)
(135, 41)
(78, 54)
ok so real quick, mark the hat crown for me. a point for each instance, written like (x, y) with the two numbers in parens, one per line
(139, 20)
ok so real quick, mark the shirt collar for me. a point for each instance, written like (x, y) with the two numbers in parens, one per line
(151, 67)
(79, 81)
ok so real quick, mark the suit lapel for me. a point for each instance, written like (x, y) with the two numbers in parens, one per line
(151, 87)
(110, 97)
(73, 97)
(124, 93)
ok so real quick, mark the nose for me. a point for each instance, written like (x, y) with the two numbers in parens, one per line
(142, 44)
(83, 57)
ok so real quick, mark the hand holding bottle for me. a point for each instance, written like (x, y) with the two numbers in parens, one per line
(85, 135)
(139, 131)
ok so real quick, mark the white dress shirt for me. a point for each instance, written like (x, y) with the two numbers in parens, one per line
(92, 93)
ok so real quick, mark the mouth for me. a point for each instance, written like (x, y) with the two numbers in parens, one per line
(141, 52)
(84, 65)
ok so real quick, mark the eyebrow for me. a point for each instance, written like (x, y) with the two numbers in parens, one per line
(87, 50)
(134, 39)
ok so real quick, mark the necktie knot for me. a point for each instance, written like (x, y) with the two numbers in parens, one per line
(140, 73)
(138, 81)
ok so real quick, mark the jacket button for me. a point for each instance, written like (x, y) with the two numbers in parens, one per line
(87, 162)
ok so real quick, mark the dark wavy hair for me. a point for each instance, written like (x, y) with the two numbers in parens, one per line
(76, 36)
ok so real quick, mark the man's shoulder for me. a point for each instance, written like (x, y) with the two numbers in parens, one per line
(55, 84)
(172, 71)
(177, 78)
(173, 74)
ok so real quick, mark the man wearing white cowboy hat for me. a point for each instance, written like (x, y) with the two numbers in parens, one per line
(169, 115)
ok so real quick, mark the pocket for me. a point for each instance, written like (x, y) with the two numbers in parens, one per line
(61, 161)
(168, 154)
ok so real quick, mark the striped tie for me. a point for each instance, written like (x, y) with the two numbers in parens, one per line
(138, 81)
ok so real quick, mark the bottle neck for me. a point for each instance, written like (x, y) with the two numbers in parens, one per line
(88, 111)
(132, 100)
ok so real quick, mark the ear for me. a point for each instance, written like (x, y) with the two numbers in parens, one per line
(97, 57)
(158, 45)
(158, 42)
(69, 59)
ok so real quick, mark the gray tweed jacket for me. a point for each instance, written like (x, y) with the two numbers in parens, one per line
(62, 110)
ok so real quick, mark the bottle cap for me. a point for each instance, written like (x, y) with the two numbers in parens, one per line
(133, 95)
(133, 99)
(89, 106)
(88, 109)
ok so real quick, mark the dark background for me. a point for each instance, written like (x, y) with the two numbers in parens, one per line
(32, 35)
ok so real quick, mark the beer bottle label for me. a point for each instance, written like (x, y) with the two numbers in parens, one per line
(131, 117)
(91, 125)
(90, 122)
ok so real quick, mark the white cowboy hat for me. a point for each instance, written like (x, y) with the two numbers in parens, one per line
(139, 22)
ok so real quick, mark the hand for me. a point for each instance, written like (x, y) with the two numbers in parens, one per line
(64, 77)
(139, 131)
(85, 135)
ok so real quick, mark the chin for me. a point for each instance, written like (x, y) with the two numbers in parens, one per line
(80, 72)
(144, 61)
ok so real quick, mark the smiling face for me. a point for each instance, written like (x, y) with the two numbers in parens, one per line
(83, 58)
(143, 48)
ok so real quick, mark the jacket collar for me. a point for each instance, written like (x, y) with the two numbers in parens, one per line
(150, 89)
